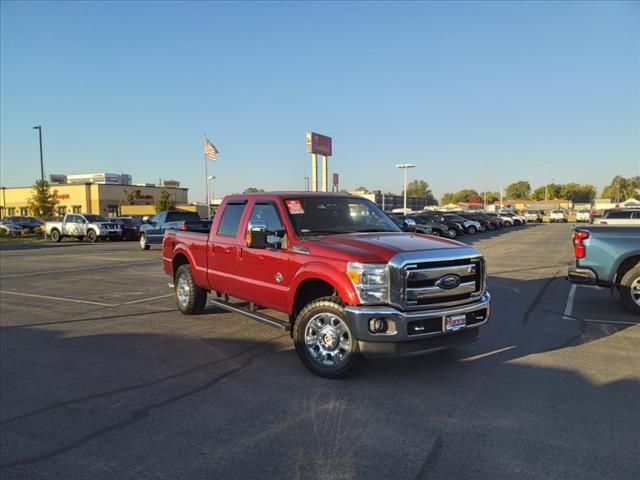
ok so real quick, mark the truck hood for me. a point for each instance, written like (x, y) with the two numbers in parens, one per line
(377, 247)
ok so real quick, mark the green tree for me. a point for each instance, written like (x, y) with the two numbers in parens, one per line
(165, 202)
(492, 197)
(446, 199)
(621, 188)
(253, 190)
(362, 189)
(518, 190)
(420, 188)
(42, 202)
(464, 195)
(130, 196)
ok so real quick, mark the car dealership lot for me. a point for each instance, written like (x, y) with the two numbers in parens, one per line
(102, 377)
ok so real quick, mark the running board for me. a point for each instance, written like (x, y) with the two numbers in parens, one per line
(260, 317)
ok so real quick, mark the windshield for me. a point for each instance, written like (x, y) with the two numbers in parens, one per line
(455, 218)
(312, 216)
(95, 218)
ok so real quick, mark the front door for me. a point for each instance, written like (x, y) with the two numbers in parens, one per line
(264, 273)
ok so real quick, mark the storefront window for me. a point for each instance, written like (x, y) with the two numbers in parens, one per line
(11, 211)
(77, 209)
(113, 210)
(62, 210)
(24, 211)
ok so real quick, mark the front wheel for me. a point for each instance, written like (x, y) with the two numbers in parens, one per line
(323, 341)
(471, 230)
(92, 236)
(436, 233)
(143, 242)
(630, 289)
(190, 298)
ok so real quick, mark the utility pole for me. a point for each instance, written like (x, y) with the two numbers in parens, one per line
(39, 128)
(306, 184)
(500, 197)
(486, 171)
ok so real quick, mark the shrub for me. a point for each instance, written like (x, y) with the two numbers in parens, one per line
(25, 231)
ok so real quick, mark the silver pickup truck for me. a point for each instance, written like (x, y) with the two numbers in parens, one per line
(81, 225)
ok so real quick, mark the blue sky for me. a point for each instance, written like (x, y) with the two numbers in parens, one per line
(131, 87)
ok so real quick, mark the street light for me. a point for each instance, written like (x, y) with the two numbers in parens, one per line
(404, 166)
(210, 200)
(39, 128)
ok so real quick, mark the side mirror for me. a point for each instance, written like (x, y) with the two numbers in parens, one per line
(409, 225)
(256, 236)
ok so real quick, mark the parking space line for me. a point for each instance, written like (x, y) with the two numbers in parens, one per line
(594, 320)
(568, 308)
(62, 299)
(488, 354)
(148, 299)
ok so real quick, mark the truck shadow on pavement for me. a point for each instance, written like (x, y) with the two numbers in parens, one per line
(116, 393)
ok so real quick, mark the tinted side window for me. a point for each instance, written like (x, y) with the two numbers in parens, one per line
(230, 219)
(619, 215)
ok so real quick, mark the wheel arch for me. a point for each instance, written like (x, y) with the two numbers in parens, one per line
(626, 265)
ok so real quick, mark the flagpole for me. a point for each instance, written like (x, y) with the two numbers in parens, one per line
(206, 176)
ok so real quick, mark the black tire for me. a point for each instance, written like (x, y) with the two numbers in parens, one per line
(507, 224)
(517, 223)
(80, 238)
(190, 298)
(436, 233)
(453, 233)
(630, 289)
(317, 311)
(471, 230)
(55, 235)
(143, 242)
(92, 236)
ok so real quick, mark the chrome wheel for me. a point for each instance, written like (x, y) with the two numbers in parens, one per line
(635, 291)
(328, 340)
(183, 292)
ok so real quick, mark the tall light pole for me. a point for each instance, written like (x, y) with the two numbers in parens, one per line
(210, 179)
(486, 171)
(501, 197)
(546, 184)
(39, 128)
(405, 166)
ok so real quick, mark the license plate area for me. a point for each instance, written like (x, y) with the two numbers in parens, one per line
(454, 322)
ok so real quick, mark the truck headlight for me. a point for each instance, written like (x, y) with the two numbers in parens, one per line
(370, 280)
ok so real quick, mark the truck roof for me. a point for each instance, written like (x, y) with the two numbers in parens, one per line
(288, 194)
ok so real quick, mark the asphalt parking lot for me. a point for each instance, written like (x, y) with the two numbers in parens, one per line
(102, 378)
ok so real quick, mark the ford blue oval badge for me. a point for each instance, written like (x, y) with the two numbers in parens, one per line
(448, 282)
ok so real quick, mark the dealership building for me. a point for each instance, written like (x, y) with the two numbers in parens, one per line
(104, 194)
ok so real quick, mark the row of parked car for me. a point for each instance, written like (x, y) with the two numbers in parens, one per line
(14, 225)
(455, 224)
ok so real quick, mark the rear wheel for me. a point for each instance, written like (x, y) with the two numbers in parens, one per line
(436, 233)
(453, 233)
(190, 298)
(55, 236)
(471, 230)
(630, 289)
(92, 236)
(507, 224)
(143, 242)
(323, 341)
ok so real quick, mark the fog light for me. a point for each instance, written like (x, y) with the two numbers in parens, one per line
(378, 325)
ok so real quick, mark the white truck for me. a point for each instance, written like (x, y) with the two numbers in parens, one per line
(81, 225)
(558, 216)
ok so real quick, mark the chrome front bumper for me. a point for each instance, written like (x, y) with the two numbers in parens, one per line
(398, 341)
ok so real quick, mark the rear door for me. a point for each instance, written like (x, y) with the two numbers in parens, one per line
(155, 230)
(225, 248)
(264, 272)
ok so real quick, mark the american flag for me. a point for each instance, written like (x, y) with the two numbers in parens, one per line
(210, 150)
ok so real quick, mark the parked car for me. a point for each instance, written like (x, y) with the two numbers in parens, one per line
(454, 229)
(344, 285)
(24, 221)
(583, 216)
(438, 228)
(534, 216)
(81, 225)
(628, 216)
(558, 216)
(484, 224)
(130, 228)
(470, 226)
(409, 224)
(497, 219)
(152, 231)
(609, 256)
(10, 228)
(516, 219)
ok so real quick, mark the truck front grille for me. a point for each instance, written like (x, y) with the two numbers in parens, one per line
(432, 284)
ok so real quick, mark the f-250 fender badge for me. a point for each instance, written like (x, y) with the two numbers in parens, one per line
(279, 277)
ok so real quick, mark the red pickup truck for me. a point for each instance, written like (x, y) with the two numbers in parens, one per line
(336, 272)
